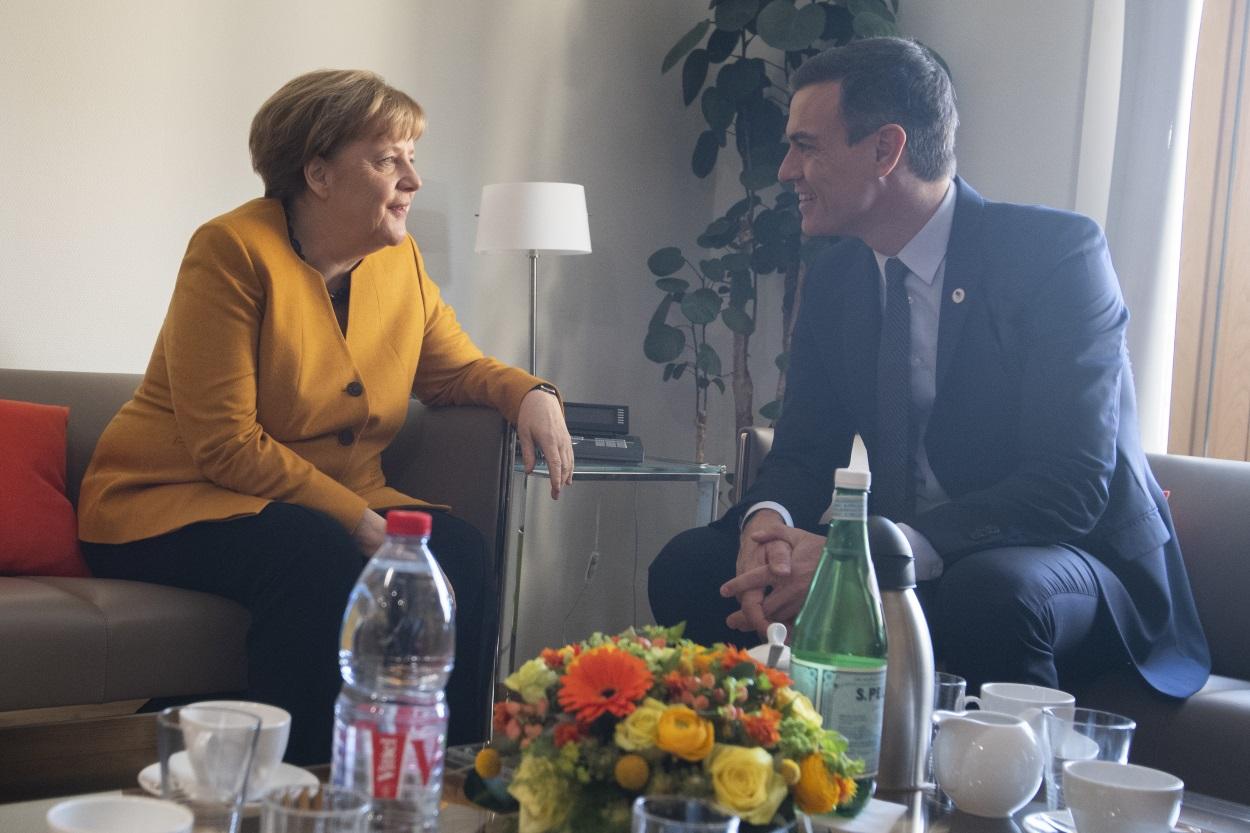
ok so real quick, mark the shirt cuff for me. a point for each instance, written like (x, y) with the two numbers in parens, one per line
(928, 563)
(766, 504)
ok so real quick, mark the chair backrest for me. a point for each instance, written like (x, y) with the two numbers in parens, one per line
(1210, 504)
(753, 446)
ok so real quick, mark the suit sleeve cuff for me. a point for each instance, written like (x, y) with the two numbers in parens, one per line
(766, 504)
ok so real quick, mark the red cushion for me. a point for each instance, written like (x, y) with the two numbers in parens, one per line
(38, 528)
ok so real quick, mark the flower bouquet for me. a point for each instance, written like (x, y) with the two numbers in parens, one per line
(602, 721)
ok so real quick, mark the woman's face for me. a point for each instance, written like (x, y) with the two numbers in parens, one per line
(368, 187)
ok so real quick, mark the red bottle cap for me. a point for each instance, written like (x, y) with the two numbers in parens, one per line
(404, 522)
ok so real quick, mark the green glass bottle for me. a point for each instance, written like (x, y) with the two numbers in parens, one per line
(838, 653)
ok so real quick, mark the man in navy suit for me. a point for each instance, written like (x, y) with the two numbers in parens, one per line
(978, 348)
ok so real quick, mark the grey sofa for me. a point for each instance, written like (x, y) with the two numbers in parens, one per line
(1205, 739)
(81, 641)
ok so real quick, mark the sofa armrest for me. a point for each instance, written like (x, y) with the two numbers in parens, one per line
(461, 456)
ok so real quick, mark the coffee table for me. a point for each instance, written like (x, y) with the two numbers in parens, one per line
(1199, 814)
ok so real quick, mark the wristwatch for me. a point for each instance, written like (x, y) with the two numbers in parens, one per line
(546, 388)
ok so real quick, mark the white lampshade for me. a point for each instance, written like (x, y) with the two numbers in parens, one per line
(533, 216)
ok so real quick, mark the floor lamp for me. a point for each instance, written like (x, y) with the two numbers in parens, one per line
(531, 217)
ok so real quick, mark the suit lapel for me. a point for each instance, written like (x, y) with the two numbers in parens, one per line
(961, 285)
(861, 332)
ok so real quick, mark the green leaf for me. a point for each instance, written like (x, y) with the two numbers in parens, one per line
(676, 286)
(718, 109)
(764, 259)
(665, 261)
(732, 15)
(663, 343)
(784, 27)
(660, 317)
(719, 234)
(701, 306)
(869, 25)
(679, 370)
(742, 206)
(742, 288)
(758, 177)
(782, 361)
(740, 78)
(712, 269)
(668, 371)
(738, 320)
(736, 262)
(693, 74)
(688, 41)
(771, 410)
(708, 360)
(839, 25)
(721, 45)
(720, 385)
(706, 149)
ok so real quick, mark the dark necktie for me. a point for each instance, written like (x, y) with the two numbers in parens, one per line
(892, 479)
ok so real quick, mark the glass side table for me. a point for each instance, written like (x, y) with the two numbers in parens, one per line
(705, 477)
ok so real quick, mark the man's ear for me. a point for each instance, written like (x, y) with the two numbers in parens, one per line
(317, 176)
(891, 140)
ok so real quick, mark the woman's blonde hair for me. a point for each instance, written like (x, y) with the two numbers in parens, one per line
(319, 112)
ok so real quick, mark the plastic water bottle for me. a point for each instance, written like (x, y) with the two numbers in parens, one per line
(396, 650)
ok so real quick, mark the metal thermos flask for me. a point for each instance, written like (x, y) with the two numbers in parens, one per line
(905, 728)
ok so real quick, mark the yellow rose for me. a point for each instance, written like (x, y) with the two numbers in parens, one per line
(542, 794)
(638, 731)
(683, 733)
(746, 783)
(532, 680)
(794, 704)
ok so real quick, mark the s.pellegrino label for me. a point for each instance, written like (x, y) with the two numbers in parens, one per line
(838, 654)
(850, 700)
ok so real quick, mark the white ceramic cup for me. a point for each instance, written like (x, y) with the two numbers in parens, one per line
(1021, 699)
(1111, 797)
(275, 730)
(119, 814)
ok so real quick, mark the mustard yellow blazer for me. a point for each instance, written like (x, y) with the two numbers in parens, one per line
(253, 394)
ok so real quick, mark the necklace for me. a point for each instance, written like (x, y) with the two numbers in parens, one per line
(338, 296)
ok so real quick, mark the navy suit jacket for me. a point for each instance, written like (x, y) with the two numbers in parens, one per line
(1033, 433)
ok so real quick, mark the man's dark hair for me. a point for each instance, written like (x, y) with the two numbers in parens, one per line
(892, 81)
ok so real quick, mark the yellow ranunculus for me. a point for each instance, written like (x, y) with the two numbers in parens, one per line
(542, 794)
(532, 680)
(638, 731)
(818, 790)
(683, 733)
(794, 704)
(746, 783)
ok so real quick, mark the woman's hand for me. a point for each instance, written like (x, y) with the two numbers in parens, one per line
(541, 423)
(370, 532)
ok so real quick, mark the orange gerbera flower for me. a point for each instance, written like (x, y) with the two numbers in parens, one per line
(604, 680)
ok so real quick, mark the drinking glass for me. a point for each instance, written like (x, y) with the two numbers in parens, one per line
(949, 691)
(206, 756)
(1077, 734)
(674, 814)
(314, 810)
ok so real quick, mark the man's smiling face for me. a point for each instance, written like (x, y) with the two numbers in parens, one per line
(835, 181)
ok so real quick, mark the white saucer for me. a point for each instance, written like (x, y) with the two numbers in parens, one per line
(284, 775)
(1049, 821)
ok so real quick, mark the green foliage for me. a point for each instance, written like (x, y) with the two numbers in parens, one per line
(737, 65)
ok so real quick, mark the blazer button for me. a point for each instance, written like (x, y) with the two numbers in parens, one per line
(354, 388)
(346, 437)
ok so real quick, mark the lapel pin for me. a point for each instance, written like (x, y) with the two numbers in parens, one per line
(957, 295)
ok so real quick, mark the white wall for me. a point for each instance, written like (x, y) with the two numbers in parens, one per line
(123, 125)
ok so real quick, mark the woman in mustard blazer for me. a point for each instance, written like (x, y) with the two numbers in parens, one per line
(248, 463)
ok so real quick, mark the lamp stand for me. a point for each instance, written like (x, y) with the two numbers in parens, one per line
(533, 312)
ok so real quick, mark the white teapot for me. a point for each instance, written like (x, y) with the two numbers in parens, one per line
(989, 763)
